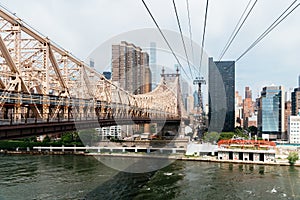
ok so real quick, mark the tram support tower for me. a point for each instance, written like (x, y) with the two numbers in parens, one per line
(199, 117)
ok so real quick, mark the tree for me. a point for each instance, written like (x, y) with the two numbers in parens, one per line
(211, 137)
(226, 136)
(46, 139)
(76, 137)
(239, 132)
(67, 138)
(30, 139)
(153, 128)
(293, 157)
(253, 130)
(89, 136)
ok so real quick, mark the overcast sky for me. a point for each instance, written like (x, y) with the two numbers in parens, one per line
(80, 26)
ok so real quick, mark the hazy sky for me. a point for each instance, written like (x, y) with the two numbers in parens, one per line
(82, 25)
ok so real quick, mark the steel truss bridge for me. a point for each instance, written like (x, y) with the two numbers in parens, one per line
(45, 89)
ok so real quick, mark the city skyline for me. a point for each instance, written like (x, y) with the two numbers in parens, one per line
(275, 57)
(132, 82)
(82, 116)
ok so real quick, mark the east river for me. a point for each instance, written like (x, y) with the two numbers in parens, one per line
(84, 177)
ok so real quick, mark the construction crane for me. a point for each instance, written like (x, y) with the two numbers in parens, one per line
(199, 116)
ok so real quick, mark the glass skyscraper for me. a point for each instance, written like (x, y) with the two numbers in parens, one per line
(271, 111)
(221, 88)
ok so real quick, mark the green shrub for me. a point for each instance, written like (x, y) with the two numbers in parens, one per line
(293, 157)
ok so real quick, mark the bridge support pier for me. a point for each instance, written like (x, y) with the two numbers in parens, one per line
(170, 130)
(17, 113)
(81, 112)
(147, 128)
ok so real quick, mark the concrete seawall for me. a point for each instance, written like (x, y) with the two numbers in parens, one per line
(145, 155)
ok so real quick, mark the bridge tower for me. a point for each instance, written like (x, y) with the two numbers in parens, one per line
(174, 78)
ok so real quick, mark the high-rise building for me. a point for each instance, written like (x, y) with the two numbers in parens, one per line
(153, 66)
(296, 101)
(251, 121)
(129, 63)
(294, 130)
(248, 93)
(288, 94)
(287, 114)
(248, 110)
(238, 99)
(258, 111)
(184, 91)
(221, 88)
(196, 99)
(148, 78)
(238, 109)
(271, 112)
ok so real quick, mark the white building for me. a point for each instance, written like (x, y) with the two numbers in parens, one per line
(294, 129)
(110, 131)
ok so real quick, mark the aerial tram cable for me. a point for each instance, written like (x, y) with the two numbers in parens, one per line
(190, 29)
(237, 28)
(203, 36)
(182, 39)
(282, 17)
(164, 37)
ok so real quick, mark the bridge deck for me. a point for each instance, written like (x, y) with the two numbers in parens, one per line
(40, 128)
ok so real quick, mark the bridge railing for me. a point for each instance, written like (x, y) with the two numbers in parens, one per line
(4, 122)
